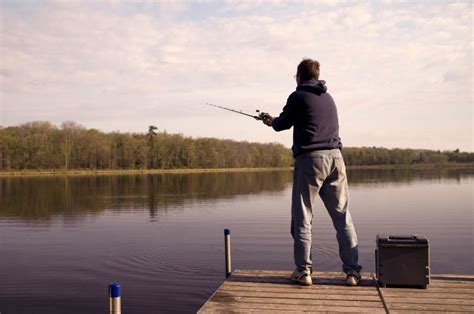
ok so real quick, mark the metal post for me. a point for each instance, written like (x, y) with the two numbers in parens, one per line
(228, 259)
(114, 298)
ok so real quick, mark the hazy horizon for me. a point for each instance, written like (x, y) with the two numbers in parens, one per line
(400, 73)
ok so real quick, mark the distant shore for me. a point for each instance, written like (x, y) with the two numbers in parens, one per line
(449, 165)
(86, 172)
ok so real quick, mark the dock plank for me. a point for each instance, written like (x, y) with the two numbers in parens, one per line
(429, 307)
(273, 291)
(451, 293)
(301, 296)
(269, 291)
(272, 308)
(294, 289)
(290, 284)
(431, 289)
(223, 297)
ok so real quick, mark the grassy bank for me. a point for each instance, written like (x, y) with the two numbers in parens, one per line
(83, 172)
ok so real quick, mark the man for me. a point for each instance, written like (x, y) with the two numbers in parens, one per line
(319, 168)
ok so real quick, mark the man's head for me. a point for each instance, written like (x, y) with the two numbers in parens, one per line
(307, 69)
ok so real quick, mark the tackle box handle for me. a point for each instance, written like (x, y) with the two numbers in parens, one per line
(404, 238)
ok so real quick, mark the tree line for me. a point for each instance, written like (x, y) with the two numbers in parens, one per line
(41, 145)
(383, 156)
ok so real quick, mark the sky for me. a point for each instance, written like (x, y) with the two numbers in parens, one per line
(399, 72)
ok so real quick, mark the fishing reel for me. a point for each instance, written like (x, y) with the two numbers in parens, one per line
(261, 115)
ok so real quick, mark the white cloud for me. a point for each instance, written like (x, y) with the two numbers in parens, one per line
(142, 60)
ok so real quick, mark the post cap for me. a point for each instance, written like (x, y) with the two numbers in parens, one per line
(114, 290)
(226, 232)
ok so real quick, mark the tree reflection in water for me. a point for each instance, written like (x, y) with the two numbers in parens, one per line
(41, 198)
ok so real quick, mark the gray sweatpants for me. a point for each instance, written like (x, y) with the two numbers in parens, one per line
(322, 172)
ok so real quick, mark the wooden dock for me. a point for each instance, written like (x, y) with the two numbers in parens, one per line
(273, 292)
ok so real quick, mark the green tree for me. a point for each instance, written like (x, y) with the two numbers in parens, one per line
(70, 132)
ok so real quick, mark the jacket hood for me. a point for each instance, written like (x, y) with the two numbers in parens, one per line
(317, 87)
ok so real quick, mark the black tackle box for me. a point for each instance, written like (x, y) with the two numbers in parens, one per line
(402, 260)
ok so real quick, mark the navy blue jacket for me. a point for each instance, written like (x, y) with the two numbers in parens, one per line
(313, 115)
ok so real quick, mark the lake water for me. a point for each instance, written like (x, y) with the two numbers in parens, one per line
(63, 240)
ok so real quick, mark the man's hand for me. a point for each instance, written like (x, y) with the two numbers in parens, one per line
(267, 119)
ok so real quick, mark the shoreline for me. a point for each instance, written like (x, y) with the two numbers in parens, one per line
(89, 172)
(84, 172)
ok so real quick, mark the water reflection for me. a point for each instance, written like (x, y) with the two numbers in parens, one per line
(98, 230)
(40, 198)
(37, 198)
(403, 176)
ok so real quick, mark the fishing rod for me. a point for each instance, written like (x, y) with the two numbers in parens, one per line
(260, 116)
